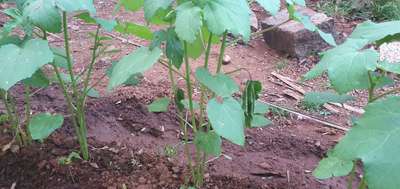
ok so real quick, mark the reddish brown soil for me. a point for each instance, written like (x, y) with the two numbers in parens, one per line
(127, 142)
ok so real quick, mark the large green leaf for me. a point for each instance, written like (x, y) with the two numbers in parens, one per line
(152, 6)
(60, 59)
(309, 25)
(227, 119)
(38, 79)
(44, 14)
(260, 121)
(349, 70)
(228, 15)
(42, 125)
(296, 2)
(108, 25)
(196, 48)
(18, 63)
(174, 48)
(208, 142)
(390, 67)
(137, 30)
(375, 141)
(159, 105)
(137, 62)
(375, 31)
(188, 21)
(271, 6)
(321, 98)
(76, 5)
(221, 84)
(132, 5)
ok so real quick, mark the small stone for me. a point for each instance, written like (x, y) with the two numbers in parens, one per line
(142, 180)
(94, 165)
(175, 169)
(318, 144)
(227, 60)
(265, 165)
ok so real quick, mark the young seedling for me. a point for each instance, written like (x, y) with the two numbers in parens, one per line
(38, 18)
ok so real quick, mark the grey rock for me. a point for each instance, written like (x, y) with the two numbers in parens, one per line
(292, 37)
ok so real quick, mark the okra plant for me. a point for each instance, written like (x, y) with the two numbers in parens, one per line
(189, 28)
(374, 139)
(27, 56)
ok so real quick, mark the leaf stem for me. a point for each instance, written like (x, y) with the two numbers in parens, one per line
(395, 90)
(68, 54)
(351, 176)
(27, 110)
(222, 52)
(371, 88)
(189, 87)
(203, 89)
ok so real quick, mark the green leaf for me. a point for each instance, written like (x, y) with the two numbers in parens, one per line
(13, 39)
(196, 48)
(227, 119)
(349, 70)
(132, 5)
(271, 6)
(332, 167)
(93, 93)
(38, 79)
(375, 31)
(174, 49)
(158, 38)
(321, 98)
(188, 21)
(21, 63)
(228, 15)
(179, 97)
(185, 103)
(260, 108)
(44, 14)
(390, 67)
(60, 59)
(374, 140)
(133, 80)
(160, 105)
(42, 125)
(260, 121)
(108, 25)
(296, 2)
(152, 6)
(309, 25)
(76, 5)
(208, 142)
(137, 62)
(221, 84)
(137, 30)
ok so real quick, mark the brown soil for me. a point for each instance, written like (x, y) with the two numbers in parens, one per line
(127, 142)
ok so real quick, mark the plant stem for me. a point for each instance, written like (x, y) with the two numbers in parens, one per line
(189, 87)
(222, 52)
(91, 65)
(68, 55)
(363, 183)
(27, 111)
(371, 88)
(395, 90)
(203, 89)
(68, 98)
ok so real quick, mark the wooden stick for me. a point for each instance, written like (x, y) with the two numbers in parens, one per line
(328, 106)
